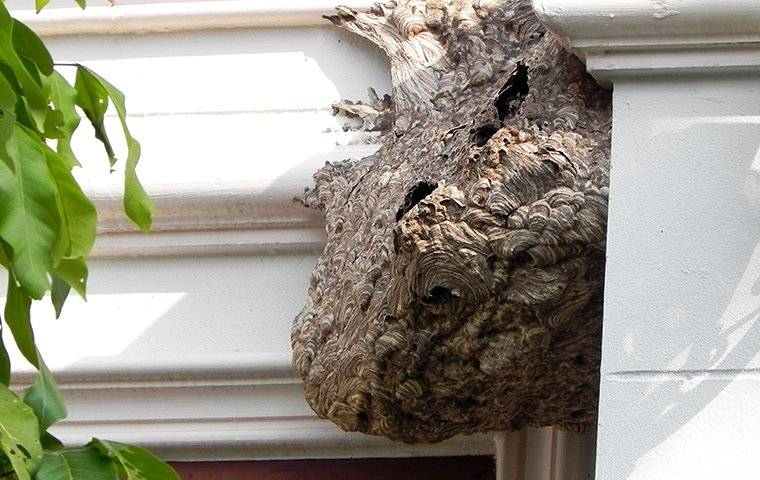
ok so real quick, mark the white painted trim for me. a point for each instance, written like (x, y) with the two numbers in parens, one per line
(250, 216)
(177, 16)
(637, 23)
(251, 241)
(189, 207)
(104, 371)
(726, 58)
(631, 37)
(193, 220)
(192, 207)
(227, 203)
(292, 437)
(222, 407)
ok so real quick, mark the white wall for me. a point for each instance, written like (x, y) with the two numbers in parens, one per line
(681, 346)
(681, 343)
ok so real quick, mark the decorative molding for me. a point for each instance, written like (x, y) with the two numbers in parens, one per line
(229, 202)
(214, 219)
(617, 24)
(178, 16)
(630, 37)
(104, 371)
(252, 216)
(224, 407)
(252, 241)
(215, 206)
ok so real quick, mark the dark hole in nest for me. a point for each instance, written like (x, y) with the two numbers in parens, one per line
(521, 258)
(551, 166)
(440, 295)
(507, 101)
(513, 91)
(396, 239)
(414, 196)
(362, 420)
(492, 262)
(467, 403)
(482, 134)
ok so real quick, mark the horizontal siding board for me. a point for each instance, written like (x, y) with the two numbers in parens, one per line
(232, 123)
(235, 70)
(164, 16)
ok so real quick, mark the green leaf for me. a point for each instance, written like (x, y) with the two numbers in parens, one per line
(24, 114)
(53, 124)
(79, 219)
(74, 272)
(17, 317)
(5, 359)
(138, 206)
(64, 96)
(5, 362)
(45, 399)
(50, 442)
(32, 90)
(28, 215)
(91, 95)
(75, 464)
(6, 469)
(19, 435)
(81, 3)
(43, 396)
(40, 4)
(59, 292)
(92, 98)
(8, 102)
(28, 45)
(135, 463)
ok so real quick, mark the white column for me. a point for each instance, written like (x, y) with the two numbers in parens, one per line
(680, 384)
(544, 454)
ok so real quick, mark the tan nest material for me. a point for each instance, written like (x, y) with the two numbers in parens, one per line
(460, 289)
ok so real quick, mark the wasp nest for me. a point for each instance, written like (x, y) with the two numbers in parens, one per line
(460, 289)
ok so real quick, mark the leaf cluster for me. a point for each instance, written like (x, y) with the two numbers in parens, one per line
(47, 230)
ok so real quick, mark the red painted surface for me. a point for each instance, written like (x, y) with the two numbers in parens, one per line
(428, 468)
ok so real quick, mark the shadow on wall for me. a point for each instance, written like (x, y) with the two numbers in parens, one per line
(709, 319)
